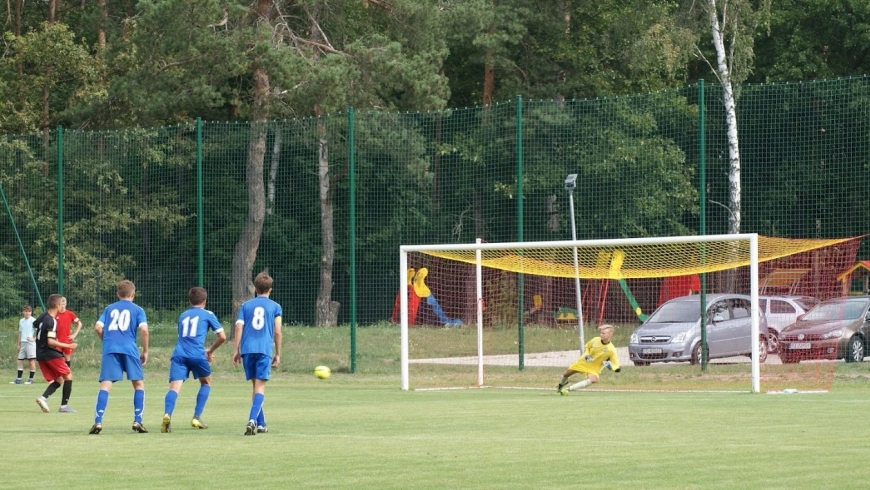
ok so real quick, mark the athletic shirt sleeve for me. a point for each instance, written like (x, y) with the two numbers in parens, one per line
(614, 356)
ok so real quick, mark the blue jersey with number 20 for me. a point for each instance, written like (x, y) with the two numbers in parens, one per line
(258, 333)
(193, 327)
(121, 321)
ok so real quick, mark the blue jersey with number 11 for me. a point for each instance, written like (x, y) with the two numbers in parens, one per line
(121, 321)
(258, 332)
(193, 327)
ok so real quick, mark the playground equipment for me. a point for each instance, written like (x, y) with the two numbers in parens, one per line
(417, 290)
(613, 261)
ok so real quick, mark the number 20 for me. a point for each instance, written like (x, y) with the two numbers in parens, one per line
(120, 320)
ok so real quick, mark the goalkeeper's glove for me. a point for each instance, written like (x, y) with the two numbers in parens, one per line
(589, 358)
(608, 365)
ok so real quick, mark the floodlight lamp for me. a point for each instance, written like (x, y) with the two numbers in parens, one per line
(570, 182)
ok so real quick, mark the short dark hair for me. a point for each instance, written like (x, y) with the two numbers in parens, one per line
(197, 295)
(27, 308)
(53, 301)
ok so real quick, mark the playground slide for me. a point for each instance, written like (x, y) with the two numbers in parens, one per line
(413, 301)
(439, 313)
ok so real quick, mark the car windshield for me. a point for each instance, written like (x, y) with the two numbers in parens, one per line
(677, 312)
(840, 310)
(807, 303)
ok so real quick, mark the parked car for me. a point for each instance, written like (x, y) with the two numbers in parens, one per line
(782, 311)
(837, 328)
(672, 333)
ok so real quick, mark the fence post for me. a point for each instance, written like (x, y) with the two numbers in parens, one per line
(351, 162)
(200, 258)
(520, 277)
(59, 147)
(702, 215)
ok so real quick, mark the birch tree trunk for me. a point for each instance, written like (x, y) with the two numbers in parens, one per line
(273, 172)
(724, 72)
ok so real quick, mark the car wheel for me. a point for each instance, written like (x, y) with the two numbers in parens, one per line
(773, 341)
(855, 352)
(696, 354)
(641, 363)
(762, 349)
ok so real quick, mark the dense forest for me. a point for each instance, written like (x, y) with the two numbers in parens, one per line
(117, 91)
(107, 64)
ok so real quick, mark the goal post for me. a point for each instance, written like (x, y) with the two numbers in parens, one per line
(476, 315)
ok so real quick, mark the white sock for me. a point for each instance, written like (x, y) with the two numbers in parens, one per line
(580, 385)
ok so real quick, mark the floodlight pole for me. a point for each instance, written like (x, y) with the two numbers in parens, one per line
(570, 184)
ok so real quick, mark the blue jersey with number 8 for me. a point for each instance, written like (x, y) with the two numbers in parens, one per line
(258, 332)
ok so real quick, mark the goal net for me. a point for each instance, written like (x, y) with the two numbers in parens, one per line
(518, 314)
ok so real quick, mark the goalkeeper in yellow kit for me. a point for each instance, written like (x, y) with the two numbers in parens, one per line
(598, 354)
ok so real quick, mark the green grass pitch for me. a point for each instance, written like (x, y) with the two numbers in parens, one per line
(361, 431)
(350, 433)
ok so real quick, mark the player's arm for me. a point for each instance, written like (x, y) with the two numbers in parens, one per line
(78, 323)
(612, 362)
(219, 341)
(587, 352)
(277, 328)
(51, 340)
(237, 339)
(98, 329)
(143, 334)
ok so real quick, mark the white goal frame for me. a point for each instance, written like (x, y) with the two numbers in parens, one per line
(752, 238)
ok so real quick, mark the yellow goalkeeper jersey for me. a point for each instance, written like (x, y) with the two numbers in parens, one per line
(594, 355)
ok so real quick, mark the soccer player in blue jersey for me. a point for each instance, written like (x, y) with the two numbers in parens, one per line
(599, 353)
(257, 340)
(190, 356)
(117, 328)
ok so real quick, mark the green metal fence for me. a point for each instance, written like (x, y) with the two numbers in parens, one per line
(165, 206)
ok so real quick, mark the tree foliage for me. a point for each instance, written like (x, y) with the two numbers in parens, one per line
(102, 66)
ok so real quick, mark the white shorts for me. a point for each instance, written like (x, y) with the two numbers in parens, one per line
(27, 351)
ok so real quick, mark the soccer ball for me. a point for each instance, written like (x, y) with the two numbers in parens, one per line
(322, 372)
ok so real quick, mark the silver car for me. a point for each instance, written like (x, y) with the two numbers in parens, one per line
(672, 333)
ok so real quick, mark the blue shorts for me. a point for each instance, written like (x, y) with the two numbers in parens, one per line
(181, 367)
(114, 365)
(257, 366)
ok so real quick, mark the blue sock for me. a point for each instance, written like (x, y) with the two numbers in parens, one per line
(256, 406)
(138, 405)
(201, 398)
(100, 410)
(169, 402)
(261, 418)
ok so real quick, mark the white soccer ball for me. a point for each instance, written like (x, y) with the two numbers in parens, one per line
(322, 372)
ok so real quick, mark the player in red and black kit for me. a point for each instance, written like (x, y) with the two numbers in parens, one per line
(50, 356)
(65, 319)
